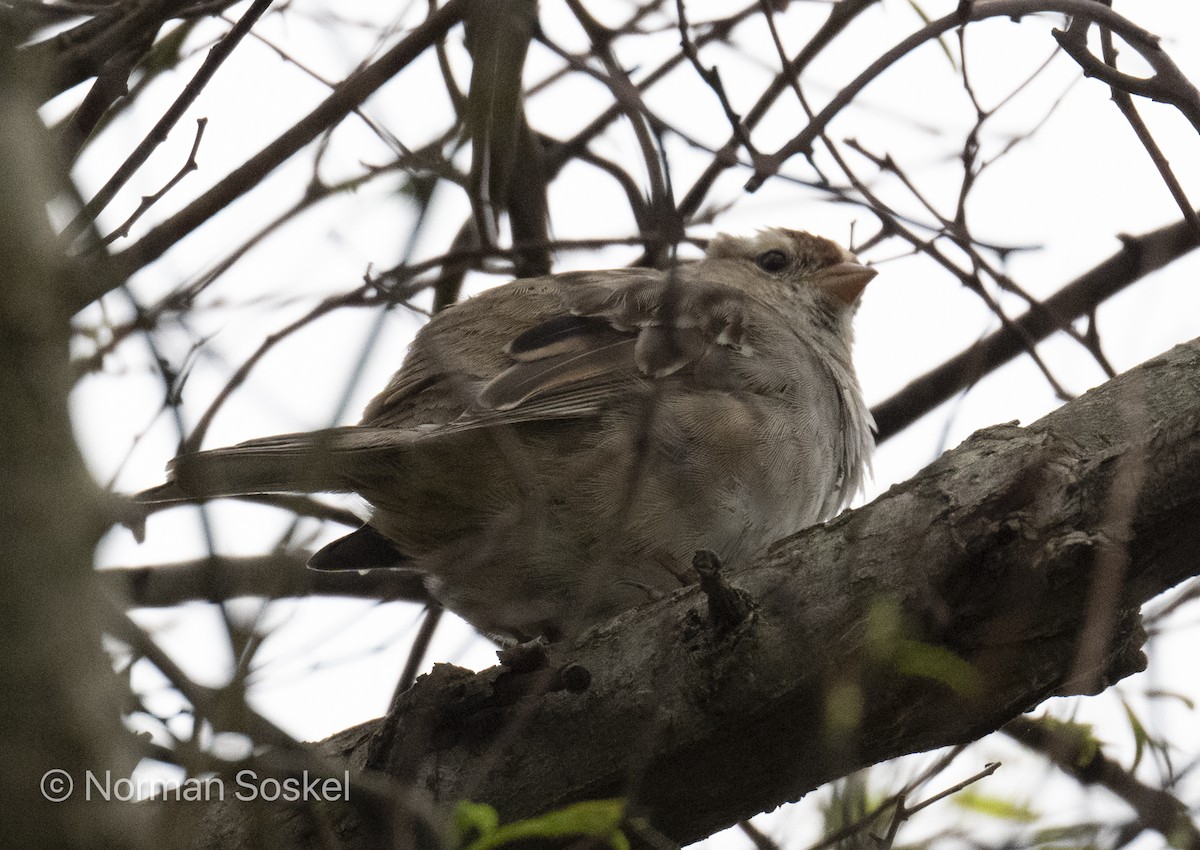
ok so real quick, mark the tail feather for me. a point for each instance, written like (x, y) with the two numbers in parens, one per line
(314, 462)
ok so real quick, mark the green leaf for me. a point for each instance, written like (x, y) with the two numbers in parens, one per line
(167, 52)
(599, 819)
(1080, 836)
(1188, 702)
(850, 799)
(474, 820)
(996, 807)
(1082, 737)
(916, 658)
(885, 638)
(1140, 736)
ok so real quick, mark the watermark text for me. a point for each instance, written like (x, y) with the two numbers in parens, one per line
(58, 785)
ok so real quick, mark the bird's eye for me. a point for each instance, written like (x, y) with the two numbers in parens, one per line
(771, 261)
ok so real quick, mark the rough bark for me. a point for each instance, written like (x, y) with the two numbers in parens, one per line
(1010, 570)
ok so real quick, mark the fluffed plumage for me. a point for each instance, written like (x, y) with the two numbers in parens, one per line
(555, 450)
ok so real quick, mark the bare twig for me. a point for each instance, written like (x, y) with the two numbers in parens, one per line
(111, 84)
(629, 100)
(761, 840)
(1138, 257)
(1074, 752)
(401, 275)
(150, 200)
(956, 230)
(840, 16)
(418, 650)
(278, 576)
(1146, 42)
(348, 96)
(72, 56)
(225, 708)
(216, 56)
(1167, 85)
(900, 812)
(239, 377)
(1125, 103)
(712, 78)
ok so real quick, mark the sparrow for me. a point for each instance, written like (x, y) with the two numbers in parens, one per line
(555, 450)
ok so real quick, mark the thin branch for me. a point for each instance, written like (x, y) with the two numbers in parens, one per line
(401, 275)
(629, 99)
(380, 132)
(1138, 257)
(279, 576)
(418, 650)
(760, 839)
(969, 279)
(350, 95)
(719, 30)
(988, 770)
(900, 813)
(841, 14)
(1074, 752)
(1167, 84)
(243, 372)
(712, 78)
(802, 143)
(225, 708)
(216, 57)
(111, 84)
(74, 55)
(633, 194)
(957, 232)
(150, 200)
(1125, 103)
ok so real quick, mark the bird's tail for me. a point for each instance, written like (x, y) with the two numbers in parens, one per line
(314, 462)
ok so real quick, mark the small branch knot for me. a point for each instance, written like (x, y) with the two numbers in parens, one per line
(572, 678)
(525, 657)
(727, 606)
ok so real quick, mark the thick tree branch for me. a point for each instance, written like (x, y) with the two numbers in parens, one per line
(932, 616)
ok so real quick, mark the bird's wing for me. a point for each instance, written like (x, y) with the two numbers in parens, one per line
(581, 340)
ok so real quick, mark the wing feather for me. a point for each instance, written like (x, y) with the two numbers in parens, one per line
(567, 348)
(559, 374)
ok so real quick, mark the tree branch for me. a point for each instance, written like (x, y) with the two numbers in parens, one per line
(216, 57)
(269, 576)
(1077, 754)
(346, 98)
(1145, 42)
(932, 616)
(1138, 257)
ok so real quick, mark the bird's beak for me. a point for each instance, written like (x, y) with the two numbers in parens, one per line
(845, 281)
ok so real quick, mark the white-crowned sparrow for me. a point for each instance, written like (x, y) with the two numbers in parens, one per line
(555, 450)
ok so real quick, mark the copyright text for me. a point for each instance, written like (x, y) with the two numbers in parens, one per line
(58, 785)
